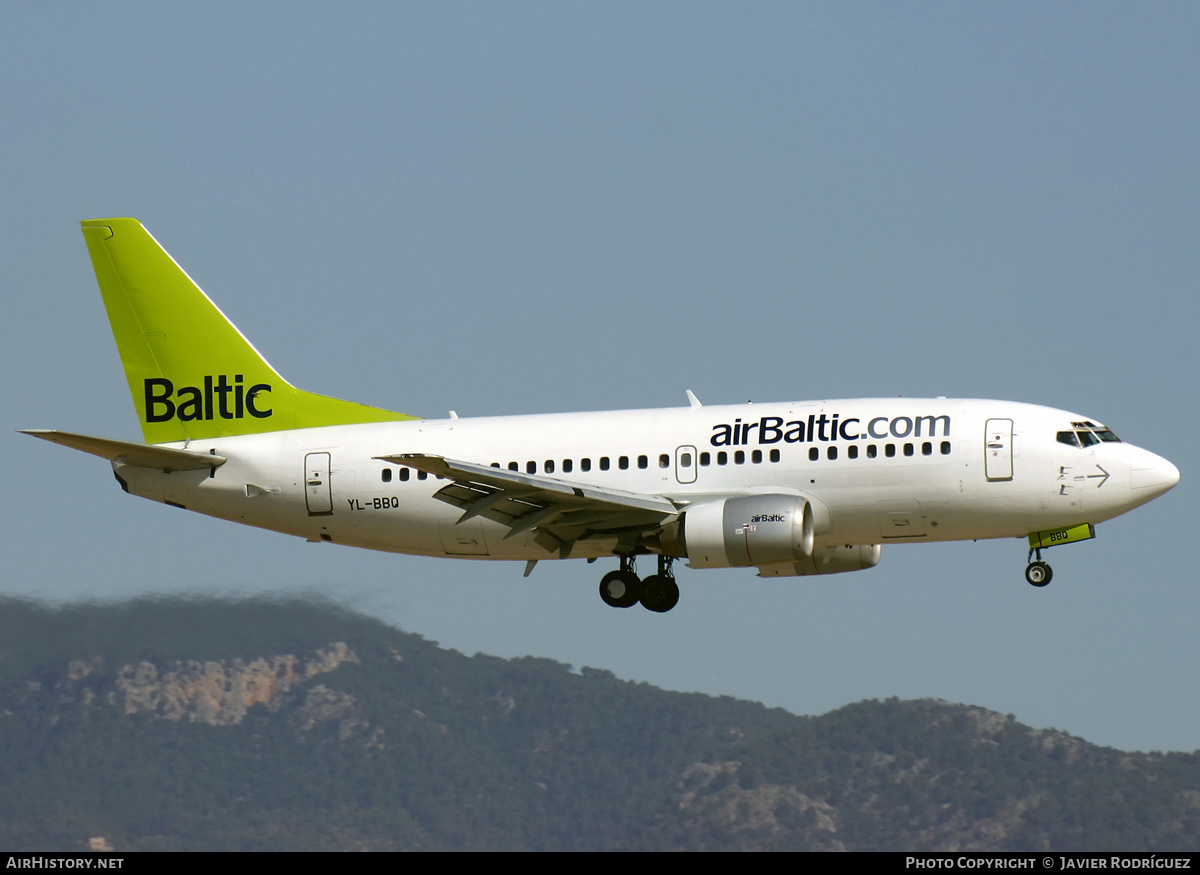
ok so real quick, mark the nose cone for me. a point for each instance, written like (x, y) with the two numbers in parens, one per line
(1150, 476)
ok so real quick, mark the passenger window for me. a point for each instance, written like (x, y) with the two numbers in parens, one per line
(495, 464)
(585, 464)
(774, 455)
(664, 461)
(567, 466)
(927, 449)
(889, 450)
(705, 459)
(685, 460)
(756, 457)
(831, 453)
(945, 448)
(852, 451)
(531, 467)
(623, 463)
(513, 466)
(908, 449)
(549, 466)
(421, 475)
(643, 462)
(386, 474)
(722, 458)
(813, 454)
(871, 451)
(739, 457)
(404, 474)
(604, 463)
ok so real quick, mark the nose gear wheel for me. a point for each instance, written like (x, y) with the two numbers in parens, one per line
(1038, 573)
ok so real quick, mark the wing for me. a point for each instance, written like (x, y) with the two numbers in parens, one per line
(562, 512)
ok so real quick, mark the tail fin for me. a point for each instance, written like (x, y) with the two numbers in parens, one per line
(191, 372)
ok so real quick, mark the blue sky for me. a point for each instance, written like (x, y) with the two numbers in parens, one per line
(529, 207)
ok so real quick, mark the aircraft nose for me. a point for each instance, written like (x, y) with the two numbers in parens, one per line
(1151, 476)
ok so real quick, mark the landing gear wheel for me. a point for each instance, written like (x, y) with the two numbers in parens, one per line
(1038, 573)
(620, 589)
(659, 593)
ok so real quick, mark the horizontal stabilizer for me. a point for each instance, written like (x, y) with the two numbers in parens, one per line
(142, 455)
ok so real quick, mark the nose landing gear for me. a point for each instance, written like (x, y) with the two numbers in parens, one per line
(623, 588)
(1037, 573)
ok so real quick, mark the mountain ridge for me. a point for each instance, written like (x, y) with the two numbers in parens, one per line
(256, 725)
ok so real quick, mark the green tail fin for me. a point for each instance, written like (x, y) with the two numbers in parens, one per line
(191, 373)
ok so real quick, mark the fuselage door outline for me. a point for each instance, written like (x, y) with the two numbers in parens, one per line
(317, 492)
(997, 449)
(685, 464)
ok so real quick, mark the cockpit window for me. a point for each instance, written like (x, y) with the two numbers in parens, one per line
(1086, 434)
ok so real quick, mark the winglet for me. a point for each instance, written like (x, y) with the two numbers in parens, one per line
(692, 399)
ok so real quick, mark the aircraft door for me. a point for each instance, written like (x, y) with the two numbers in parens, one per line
(317, 491)
(685, 464)
(997, 449)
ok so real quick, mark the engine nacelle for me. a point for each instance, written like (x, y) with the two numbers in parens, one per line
(748, 530)
(827, 560)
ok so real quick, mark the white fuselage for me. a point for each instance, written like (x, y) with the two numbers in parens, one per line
(879, 470)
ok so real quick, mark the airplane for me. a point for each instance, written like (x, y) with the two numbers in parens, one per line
(789, 489)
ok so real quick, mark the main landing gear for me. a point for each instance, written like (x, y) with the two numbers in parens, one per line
(623, 588)
(1038, 573)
